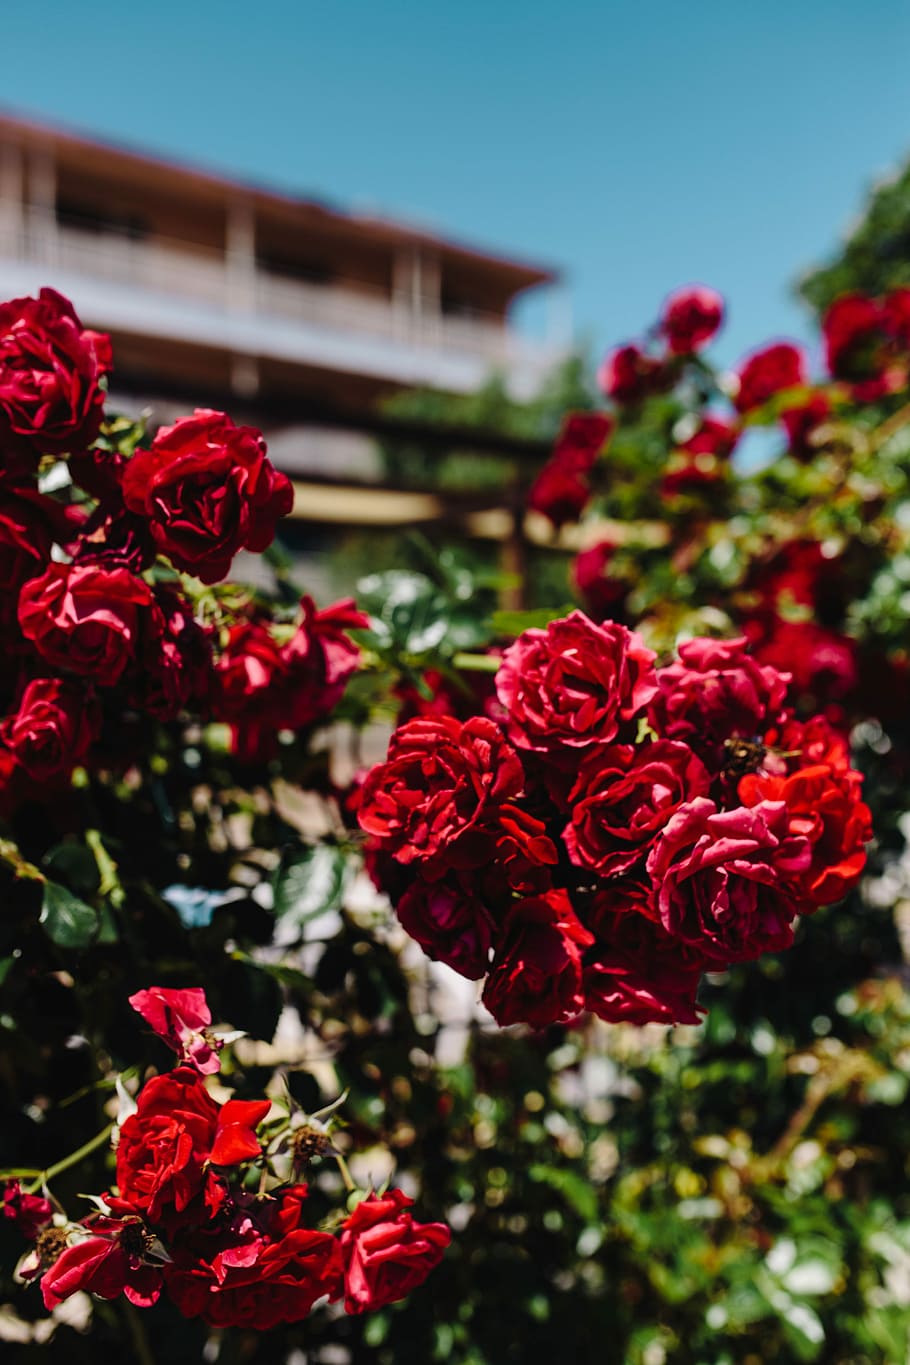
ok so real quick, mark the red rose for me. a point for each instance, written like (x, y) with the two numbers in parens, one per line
(767, 372)
(111, 536)
(859, 346)
(896, 313)
(812, 741)
(265, 1268)
(627, 375)
(723, 880)
(30, 1212)
(561, 491)
(52, 728)
(692, 475)
(450, 925)
(441, 778)
(182, 1019)
(690, 317)
(249, 668)
(637, 973)
(176, 669)
(440, 695)
(386, 1253)
(712, 436)
(85, 619)
(824, 807)
(801, 422)
(208, 490)
(51, 368)
(175, 1132)
(559, 494)
(573, 684)
(822, 663)
(115, 1261)
(581, 438)
(29, 525)
(624, 797)
(320, 658)
(604, 597)
(714, 693)
(536, 972)
(266, 686)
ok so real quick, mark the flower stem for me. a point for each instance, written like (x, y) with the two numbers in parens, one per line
(137, 1332)
(31, 1173)
(345, 1173)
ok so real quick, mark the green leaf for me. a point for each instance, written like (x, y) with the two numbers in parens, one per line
(310, 881)
(515, 622)
(67, 920)
(578, 1193)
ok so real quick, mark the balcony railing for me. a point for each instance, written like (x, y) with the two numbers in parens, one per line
(193, 274)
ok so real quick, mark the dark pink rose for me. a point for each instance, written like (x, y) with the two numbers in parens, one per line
(183, 1019)
(536, 977)
(690, 318)
(723, 879)
(573, 685)
(716, 692)
(624, 797)
(450, 925)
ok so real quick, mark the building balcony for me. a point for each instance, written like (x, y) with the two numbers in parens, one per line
(174, 290)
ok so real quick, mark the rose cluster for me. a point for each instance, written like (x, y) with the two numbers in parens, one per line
(202, 1214)
(107, 612)
(866, 346)
(612, 829)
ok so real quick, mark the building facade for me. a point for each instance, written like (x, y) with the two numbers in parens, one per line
(214, 291)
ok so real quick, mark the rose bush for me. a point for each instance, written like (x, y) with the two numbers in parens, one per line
(177, 1226)
(557, 845)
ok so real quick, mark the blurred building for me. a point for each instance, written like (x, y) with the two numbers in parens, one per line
(281, 309)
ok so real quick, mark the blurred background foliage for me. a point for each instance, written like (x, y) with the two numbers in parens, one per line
(875, 256)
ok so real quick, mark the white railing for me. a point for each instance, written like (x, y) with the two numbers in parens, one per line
(193, 273)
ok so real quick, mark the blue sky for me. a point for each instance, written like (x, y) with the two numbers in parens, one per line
(638, 145)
